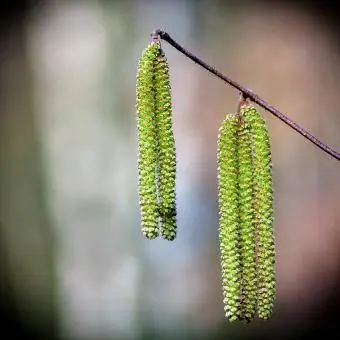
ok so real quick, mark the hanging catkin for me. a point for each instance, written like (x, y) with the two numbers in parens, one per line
(263, 211)
(147, 142)
(245, 189)
(228, 196)
(156, 145)
(246, 216)
(246, 219)
(166, 146)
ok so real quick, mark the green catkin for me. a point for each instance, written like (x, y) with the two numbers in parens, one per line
(246, 218)
(229, 217)
(245, 189)
(147, 142)
(263, 211)
(166, 147)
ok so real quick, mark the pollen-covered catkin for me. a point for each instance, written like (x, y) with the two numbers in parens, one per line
(246, 218)
(229, 237)
(166, 147)
(147, 141)
(263, 211)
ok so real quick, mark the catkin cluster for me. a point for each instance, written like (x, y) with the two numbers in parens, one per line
(246, 216)
(156, 145)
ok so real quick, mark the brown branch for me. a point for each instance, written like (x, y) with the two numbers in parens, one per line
(246, 93)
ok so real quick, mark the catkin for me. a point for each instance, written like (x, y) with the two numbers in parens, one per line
(245, 189)
(246, 219)
(147, 142)
(156, 145)
(263, 211)
(229, 217)
(246, 216)
(166, 147)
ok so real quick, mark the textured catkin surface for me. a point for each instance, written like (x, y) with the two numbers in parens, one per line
(147, 142)
(263, 211)
(166, 147)
(246, 218)
(229, 217)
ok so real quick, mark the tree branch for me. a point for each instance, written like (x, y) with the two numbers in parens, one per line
(246, 93)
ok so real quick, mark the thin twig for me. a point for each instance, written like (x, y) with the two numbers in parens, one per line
(249, 94)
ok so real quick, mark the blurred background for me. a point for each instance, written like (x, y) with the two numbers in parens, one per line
(74, 264)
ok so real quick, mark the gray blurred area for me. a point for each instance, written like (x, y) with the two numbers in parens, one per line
(74, 264)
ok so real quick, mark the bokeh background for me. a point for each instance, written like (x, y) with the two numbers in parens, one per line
(74, 264)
